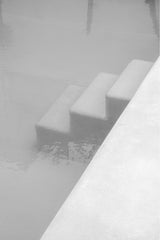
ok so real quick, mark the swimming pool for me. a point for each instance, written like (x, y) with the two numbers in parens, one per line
(45, 46)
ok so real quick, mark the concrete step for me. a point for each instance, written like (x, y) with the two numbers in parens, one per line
(88, 115)
(55, 124)
(125, 87)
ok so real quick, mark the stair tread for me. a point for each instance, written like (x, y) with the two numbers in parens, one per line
(58, 118)
(92, 102)
(130, 79)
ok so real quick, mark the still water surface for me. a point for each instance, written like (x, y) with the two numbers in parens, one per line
(45, 45)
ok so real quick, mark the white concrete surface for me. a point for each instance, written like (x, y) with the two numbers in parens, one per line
(55, 124)
(88, 113)
(125, 87)
(118, 196)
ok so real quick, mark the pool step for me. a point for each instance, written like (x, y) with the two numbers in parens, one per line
(55, 125)
(88, 115)
(125, 87)
(80, 113)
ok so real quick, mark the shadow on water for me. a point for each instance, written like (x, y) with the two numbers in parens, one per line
(154, 12)
(89, 16)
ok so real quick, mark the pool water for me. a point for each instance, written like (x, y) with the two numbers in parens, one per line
(45, 45)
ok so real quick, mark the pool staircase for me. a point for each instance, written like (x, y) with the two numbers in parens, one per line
(91, 112)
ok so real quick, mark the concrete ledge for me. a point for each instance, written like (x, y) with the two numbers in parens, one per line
(118, 196)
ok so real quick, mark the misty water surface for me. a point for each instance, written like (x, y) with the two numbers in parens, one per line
(46, 45)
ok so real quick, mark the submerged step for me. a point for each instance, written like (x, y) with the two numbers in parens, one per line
(88, 115)
(55, 125)
(125, 87)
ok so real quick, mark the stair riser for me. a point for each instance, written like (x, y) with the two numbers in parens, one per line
(115, 107)
(49, 137)
(86, 127)
(54, 126)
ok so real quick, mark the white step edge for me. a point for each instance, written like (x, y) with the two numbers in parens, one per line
(55, 124)
(125, 87)
(88, 114)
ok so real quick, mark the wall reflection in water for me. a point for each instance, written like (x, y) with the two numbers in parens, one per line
(0, 11)
(154, 12)
(89, 15)
(5, 31)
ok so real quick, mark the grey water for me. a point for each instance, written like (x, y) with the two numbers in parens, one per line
(45, 45)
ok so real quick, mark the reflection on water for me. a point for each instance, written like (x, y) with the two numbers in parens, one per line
(79, 151)
(154, 11)
(89, 15)
(0, 11)
(5, 31)
(5, 42)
